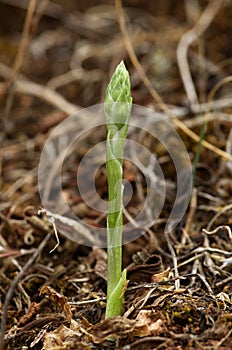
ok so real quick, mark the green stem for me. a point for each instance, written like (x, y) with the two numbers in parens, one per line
(114, 225)
(117, 111)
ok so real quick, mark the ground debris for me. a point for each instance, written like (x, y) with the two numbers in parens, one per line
(179, 295)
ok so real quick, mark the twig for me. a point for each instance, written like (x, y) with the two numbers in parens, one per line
(204, 280)
(14, 284)
(192, 211)
(138, 344)
(229, 149)
(222, 211)
(219, 228)
(182, 50)
(141, 303)
(193, 258)
(174, 259)
(194, 272)
(86, 302)
(40, 11)
(218, 345)
(227, 281)
(211, 250)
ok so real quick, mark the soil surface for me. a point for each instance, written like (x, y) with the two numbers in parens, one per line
(56, 59)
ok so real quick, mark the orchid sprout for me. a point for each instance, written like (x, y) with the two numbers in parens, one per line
(117, 107)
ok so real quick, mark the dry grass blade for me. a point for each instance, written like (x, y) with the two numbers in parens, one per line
(182, 50)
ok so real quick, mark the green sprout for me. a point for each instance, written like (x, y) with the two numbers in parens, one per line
(117, 107)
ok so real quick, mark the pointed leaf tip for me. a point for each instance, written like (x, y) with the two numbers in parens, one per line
(118, 92)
